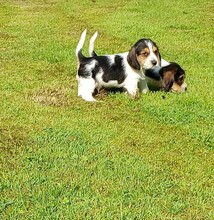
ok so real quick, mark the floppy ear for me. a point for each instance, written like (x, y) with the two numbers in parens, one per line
(168, 80)
(159, 60)
(132, 59)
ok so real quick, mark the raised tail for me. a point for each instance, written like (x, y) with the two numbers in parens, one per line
(80, 45)
(91, 45)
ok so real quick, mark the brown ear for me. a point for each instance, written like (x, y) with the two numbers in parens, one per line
(168, 80)
(132, 59)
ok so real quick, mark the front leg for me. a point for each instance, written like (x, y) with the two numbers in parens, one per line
(143, 87)
(132, 89)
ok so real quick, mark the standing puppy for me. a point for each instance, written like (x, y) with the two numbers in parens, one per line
(125, 70)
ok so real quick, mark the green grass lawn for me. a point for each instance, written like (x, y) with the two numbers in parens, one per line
(63, 158)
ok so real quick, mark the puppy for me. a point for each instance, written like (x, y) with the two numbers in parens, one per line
(124, 70)
(166, 76)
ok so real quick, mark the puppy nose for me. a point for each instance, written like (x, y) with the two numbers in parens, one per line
(186, 88)
(154, 62)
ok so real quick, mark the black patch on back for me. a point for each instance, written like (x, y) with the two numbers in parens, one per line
(114, 71)
(96, 70)
(83, 72)
(111, 71)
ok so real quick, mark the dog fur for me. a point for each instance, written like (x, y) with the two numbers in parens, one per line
(124, 70)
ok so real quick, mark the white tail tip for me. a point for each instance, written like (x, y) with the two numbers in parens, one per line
(91, 44)
(81, 41)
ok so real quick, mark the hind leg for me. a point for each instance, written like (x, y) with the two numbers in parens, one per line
(86, 88)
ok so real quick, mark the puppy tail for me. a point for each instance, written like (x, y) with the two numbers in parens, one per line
(80, 45)
(91, 45)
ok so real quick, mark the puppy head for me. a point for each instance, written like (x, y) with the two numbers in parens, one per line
(173, 78)
(144, 55)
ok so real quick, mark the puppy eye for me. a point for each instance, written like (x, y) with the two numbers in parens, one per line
(181, 78)
(156, 52)
(144, 54)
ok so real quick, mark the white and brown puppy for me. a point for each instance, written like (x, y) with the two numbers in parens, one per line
(125, 70)
(165, 76)
(170, 77)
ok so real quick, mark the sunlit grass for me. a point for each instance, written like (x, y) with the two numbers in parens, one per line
(63, 158)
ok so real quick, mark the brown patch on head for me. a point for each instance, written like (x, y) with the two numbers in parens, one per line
(179, 85)
(176, 88)
(173, 77)
(157, 53)
(143, 55)
(155, 49)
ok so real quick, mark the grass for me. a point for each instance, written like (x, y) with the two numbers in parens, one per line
(63, 158)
